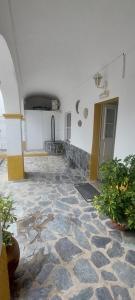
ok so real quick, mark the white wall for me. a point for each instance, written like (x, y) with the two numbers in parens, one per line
(3, 136)
(14, 137)
(3, 139)
(2, 108)
(58, 49)
(38, 128)
(8, 82)
(89, 95)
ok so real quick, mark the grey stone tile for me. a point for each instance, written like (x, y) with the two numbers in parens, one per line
(125, 273)
(69, 200)
(61, 224)
(82, 239)
(32, 235)
(89, 209)
(47, 235)
(66, 249)
(94, 215)
(77, 212)
(75, 221)
(44, 273)
(103, 294)
(99, 226)
(61, 278)
(116, 250)
(44, 203)
(91, 228)
(84, 294)
(51, 258)
(85, 272)
(99, 259)
(120, 293)
(37, 293)
(86, 218)
(108, 276)
(56, 298)
(100, 241)
(53, 178)
(115, 234)
(61, 205)
(130, 257)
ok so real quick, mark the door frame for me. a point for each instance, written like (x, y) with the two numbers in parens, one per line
(94, 160)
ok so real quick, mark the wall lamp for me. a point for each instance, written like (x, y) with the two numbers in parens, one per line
(98, 78)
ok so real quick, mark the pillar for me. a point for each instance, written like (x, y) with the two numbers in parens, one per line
(15, 159)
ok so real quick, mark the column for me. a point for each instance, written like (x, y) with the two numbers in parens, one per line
(15, 159)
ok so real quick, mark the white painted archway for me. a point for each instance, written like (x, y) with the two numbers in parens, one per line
(8, 81)
(10, 92)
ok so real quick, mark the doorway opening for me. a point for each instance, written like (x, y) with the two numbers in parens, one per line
(104, 129)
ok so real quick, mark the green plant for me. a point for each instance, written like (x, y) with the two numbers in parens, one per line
(7, 217)
(117, 198)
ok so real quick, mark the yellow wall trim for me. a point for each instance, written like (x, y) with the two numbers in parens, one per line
(34, 154)
(13, 116)
(96, 142)
(94, 160)
(15, 167)
(4, 281)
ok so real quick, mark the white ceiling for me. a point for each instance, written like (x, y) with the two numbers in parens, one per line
(62, 42)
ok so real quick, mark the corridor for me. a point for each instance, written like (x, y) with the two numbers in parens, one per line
(68, 251)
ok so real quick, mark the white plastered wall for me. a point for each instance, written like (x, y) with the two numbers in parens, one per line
(14, 137)
(38, 128)
(8, 82)
(88, 94)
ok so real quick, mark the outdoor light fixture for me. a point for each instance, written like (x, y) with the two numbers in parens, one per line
(98, 80)
(98, 77)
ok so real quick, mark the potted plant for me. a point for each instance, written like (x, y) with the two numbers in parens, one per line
(117, 197)
(7, 217)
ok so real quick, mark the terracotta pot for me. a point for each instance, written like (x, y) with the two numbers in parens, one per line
(13, 256)
(118, 226)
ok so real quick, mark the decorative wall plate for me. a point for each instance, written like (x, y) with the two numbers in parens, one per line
(80, 123)
(77, 106)
(85, 112)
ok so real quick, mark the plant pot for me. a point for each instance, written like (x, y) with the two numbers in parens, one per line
(13, 256)
(118, 226)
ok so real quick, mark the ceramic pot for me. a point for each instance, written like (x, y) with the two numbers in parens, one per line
(118, 226)
(13, 256)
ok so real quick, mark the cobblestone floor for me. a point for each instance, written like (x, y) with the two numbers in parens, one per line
(68, 251)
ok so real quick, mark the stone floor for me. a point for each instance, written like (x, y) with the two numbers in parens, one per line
(68, 252)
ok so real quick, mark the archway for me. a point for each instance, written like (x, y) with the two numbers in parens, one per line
(3, 135)
(9, 89)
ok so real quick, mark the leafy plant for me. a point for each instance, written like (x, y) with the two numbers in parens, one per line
(117, 198)
(7, 217)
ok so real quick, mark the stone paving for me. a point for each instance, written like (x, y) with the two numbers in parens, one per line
(68, 251)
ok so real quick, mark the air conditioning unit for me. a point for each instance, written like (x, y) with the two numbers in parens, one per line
(55, 104)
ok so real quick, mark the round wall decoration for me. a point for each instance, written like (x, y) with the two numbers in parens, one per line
(80, 123)
(85, 112)
(77, 106)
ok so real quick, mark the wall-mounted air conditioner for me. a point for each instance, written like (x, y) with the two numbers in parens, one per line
(55, 104)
